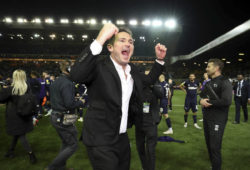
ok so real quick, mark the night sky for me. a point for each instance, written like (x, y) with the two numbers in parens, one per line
(201, 20)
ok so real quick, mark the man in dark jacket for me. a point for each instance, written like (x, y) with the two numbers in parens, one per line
(115, 102)
(146, 135)
(216, 97)
(241, 96)
(64, 105)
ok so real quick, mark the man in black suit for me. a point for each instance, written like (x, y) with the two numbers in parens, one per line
(146, 134)
(241, 97)
(115, 90)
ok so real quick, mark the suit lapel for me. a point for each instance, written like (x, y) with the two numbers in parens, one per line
(111, 68)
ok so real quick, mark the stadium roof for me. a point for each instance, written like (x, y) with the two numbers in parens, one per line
(199, 22)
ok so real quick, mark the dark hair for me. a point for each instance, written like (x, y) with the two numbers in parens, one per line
(64, 65)
(122, 29)
(217, 62)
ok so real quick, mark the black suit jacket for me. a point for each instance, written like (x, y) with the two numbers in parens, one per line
(102, 121)
(245, 90)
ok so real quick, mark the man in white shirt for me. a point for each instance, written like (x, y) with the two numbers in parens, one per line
(115, 90)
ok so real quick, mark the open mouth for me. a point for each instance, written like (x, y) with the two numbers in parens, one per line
(125, 52)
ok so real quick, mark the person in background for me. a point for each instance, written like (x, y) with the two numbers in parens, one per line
(164, 103)
(206, 79)
(190, 87)
(16, 125)
(216, 98)
(172, 86)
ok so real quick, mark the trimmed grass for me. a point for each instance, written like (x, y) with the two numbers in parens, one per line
(191, 155)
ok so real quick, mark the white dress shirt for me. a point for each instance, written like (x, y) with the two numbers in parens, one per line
(127, 83)
(239, 88)
(127, 88)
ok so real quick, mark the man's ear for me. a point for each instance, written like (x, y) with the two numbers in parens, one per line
(110, 47)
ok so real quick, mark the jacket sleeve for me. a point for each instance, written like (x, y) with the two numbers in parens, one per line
(154, 74)
(248, 91)
(226, 95)
(68, 95)
(84, 68)
(5, 94)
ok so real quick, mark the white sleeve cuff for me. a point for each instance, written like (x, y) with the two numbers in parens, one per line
(95, 48)
(160, 62)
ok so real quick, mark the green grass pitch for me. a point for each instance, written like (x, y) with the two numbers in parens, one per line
(191, 155)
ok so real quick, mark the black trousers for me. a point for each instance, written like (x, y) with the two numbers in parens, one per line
(68, 136)
(111, 157)
(146, 140)
(238, 103)
(213, 132)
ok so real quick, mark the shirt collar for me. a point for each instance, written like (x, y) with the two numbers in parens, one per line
(119, 67)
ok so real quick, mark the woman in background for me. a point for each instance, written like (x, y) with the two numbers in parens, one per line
(17, 125)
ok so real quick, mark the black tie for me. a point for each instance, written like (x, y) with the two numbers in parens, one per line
(239, 89)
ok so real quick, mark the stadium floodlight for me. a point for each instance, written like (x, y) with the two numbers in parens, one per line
(205, 62)
(36, 20)
(36, 35)
(21, 20)
(228, 62)
(157, 23)
(85, 36)
(49, 21)
(146, 22)
(64, 21)
(78, 21)
(1, 34)
(120, 22)
(133, 22)
(223, 59)
(171, 23)
(70, 36)
(240, 59)
(42, 38)
(106, 21)
(52, 36)
(241, 54)
(8, 20)
(91, 21)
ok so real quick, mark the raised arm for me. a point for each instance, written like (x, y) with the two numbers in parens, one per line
(84, 68)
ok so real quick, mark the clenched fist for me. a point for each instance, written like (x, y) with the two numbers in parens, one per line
(160, 51)
(107, 31)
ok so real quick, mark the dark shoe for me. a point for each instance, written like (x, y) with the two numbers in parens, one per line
(9, 154)
(32, 158)
(245, 121)
(235, 122)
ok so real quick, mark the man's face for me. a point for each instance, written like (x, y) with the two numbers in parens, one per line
(239, 77)
(211, 69)
(170, 81)
(191, 77)
(122, 49)
(205, 76)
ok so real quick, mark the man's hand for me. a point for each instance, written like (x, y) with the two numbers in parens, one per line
(204, 103)
(160, 51)
(107, 31)
(82, 100)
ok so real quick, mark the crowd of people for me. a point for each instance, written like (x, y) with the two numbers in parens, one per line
(117, 96)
